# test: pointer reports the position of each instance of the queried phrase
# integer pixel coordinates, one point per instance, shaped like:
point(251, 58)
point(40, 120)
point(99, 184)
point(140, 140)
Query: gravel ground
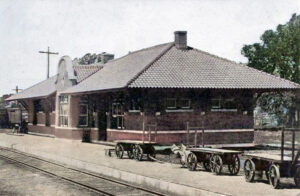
point(19, 180)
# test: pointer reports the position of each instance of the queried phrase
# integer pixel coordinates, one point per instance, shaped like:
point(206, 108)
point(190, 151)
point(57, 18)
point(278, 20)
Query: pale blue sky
point(76, 27)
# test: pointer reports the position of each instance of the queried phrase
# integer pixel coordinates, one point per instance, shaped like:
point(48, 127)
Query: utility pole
point(48, 53)
point(17, 89)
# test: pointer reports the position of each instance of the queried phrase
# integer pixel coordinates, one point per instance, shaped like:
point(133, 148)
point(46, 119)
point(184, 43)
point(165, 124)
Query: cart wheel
point(119, 151)
point(138, 153)
point(130, 154)
point(249, 169)
point(181, 160)
point(151, 154)
point(274, 176)
point(216, 164)
point(267, 175)
point(234, 167)
point(297, 177)
point(192, 161)
point(206, 165)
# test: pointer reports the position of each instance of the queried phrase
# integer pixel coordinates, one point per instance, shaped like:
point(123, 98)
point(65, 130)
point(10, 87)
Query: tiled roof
point(84, 71)
point(193, 68)
point(42, 89)
point(120, 72)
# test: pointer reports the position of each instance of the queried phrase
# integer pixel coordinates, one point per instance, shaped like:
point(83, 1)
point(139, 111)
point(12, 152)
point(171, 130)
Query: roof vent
point(180, 39)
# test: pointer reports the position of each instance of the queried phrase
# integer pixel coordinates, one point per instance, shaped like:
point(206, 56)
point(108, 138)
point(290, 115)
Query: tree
point(277, 54)
point(277, 103)
point(279, 51)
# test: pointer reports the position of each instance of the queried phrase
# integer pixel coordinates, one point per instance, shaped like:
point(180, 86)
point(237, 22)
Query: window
point(171, 103)
point(120, 124)
point(38, 106)
point(223, 104)
point(185, 103)
point(83, 115)
point(117, 109)
point(216, 103)
point(178, 104)
point(135, 105)
point(63, 111)
point(229, 104)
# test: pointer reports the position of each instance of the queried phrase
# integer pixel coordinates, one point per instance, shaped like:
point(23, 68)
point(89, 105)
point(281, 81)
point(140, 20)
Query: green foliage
point(279, 51)
point(280, 104)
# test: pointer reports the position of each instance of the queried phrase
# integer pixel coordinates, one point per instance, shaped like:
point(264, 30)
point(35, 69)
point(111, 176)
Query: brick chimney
point(180, 39)
point(106, 57)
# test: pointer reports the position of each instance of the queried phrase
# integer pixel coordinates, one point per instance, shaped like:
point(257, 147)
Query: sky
point(77, 27)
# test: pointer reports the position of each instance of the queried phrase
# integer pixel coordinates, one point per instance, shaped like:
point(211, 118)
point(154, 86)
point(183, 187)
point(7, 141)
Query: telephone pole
point(17, 89)
point(48, 57)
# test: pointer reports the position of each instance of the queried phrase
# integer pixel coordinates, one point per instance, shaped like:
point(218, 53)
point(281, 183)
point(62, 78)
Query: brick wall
point(75, 134)
point(74, 111)
point(52, 118)
point(41, 118)
point(41, 129)
point(210, 137)
point(178, 121)
point(30, 111)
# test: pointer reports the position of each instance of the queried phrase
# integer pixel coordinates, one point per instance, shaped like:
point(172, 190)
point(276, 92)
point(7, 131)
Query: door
point(102, 124)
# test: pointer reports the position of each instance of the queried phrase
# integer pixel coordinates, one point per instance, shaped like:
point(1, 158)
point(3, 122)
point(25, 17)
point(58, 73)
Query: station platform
point(170, 178)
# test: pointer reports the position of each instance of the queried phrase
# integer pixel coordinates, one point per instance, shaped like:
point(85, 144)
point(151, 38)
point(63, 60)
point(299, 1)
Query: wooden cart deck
point(214, 151)
point(134, 142)
point(269, 157)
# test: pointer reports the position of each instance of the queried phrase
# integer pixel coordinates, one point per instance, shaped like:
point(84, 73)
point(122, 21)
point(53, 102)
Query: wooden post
point(293, 146)
point(282, 143)
point(195, 137)
point(143, 132)
point(202, 137)
point(155, 132)
point(149, 132)
point(188, 132)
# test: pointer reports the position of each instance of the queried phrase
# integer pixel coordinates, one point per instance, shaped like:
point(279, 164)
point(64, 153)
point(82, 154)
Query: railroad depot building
point(151, 94)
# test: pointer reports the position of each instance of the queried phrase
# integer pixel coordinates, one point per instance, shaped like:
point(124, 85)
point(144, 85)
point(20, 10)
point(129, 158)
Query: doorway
point(102, 125)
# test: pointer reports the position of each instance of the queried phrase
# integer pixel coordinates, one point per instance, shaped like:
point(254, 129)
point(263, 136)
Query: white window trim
point(134, 111)
point(223, 110)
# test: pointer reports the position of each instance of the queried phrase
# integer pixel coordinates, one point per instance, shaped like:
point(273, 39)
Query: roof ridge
point(140, 50)
point(171, 44)
point(90, 65)
point(246, 66)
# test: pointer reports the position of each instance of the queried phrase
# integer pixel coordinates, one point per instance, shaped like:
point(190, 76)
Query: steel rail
point(73, 169)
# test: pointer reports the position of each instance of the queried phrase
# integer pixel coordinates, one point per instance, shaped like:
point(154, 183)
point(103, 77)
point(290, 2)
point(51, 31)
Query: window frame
point(221, 107)
point(64, 100)
point(185, 107)
point(83, 115)
point(172, 107)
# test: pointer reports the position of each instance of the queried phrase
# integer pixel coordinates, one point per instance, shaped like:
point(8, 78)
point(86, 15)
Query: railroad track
point(93, 182)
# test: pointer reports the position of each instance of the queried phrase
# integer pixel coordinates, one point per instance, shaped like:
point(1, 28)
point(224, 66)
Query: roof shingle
point(193, 68)
point(84, 71)
point(120, 72)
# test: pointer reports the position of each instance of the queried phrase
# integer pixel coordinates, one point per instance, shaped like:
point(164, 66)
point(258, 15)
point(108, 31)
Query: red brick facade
point(239, 136)
point(231, 127)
